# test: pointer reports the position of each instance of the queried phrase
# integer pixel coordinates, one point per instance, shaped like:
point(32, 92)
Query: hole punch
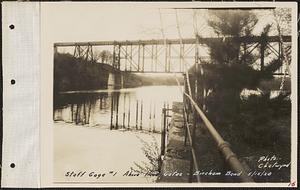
point(11, 26)
point(12, 165)
point(12, 81)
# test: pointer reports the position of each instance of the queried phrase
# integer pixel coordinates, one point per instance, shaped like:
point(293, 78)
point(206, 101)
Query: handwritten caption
point(265, 166)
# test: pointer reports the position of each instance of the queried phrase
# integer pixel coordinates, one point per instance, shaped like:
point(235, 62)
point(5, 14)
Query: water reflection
point(125, 109)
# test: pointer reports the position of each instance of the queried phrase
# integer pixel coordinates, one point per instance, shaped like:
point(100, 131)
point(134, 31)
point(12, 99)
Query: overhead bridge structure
point(177, 56)
point(170, 55)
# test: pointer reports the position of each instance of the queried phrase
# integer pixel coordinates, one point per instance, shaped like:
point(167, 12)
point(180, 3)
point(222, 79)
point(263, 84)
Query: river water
point(109, 132)
point(130, 108)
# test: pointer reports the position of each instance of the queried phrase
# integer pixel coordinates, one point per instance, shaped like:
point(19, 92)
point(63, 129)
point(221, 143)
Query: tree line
point(258, 121)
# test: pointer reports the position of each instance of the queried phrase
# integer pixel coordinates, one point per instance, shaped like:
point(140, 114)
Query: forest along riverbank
point(133, 114)
point(77, 74)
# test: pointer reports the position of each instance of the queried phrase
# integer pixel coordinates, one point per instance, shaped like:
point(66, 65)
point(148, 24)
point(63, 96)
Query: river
point(104, 131)
point(131, 108)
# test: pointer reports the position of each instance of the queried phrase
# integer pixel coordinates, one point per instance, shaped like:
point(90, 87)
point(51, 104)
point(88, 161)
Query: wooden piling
point(154, 117)
point(150, 116)
point(111, 112)
point(117, 113)
point(163, 132)
point(123, 125)
point(141, 117)
point(128, 115)
point(137, 114)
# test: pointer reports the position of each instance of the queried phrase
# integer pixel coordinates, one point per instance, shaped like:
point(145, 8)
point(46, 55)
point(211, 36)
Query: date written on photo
point(129, 173)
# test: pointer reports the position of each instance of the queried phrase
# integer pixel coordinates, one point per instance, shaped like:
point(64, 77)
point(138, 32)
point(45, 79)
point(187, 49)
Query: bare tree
point(104, 56)
point(283, 24)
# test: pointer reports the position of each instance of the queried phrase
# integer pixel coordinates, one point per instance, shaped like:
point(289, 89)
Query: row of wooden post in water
point(124, 119)
point(129, 115)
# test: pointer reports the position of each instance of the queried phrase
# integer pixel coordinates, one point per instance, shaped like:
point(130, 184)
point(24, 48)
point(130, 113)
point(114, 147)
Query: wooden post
point(137, 114)
point(163, 133)
point(141, 117)
point(166, 115)
point(150, 117)
point(154, 116)
point(111, 112)
point(128, 115)
point(124, 111)
point(117, 113)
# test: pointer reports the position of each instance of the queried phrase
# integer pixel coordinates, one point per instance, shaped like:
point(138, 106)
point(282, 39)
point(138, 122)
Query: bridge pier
point(115, 80)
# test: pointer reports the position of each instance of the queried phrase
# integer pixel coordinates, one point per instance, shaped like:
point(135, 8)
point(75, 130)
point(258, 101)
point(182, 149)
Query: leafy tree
point(230, 23)
point(230, 72)
point(72, 73)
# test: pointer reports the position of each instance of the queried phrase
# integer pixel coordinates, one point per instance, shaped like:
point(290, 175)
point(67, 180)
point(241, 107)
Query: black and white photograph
point(149, 94)
point(156, 94)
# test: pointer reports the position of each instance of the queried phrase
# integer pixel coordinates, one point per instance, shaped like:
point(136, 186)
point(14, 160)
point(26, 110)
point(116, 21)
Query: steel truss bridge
point(170, 55)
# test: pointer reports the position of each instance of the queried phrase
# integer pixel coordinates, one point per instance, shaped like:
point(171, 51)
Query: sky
point(83, 22)
point(98, 22)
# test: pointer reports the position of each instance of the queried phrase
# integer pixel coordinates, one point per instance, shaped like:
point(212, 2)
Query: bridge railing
point(191, 107)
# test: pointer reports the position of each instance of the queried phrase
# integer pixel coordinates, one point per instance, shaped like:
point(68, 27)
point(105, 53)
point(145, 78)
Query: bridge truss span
point(168, 56)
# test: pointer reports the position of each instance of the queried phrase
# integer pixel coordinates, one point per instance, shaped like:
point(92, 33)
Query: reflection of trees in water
point(114, 119)
point(81, 106)
point(102, 100)
point(122, 110)
point(81, 112)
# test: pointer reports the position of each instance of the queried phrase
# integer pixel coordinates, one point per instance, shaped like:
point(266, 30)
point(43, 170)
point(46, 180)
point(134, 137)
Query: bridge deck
point(252, 39)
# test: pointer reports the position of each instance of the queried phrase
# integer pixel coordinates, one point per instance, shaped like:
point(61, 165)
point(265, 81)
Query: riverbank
point(91, 151)
point(75, 74)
